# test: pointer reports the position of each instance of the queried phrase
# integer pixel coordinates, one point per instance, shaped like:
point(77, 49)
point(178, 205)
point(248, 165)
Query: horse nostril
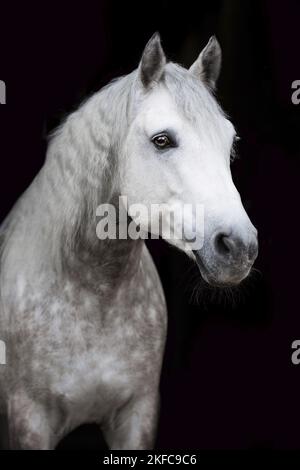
point(233, 247)
point(223, 244)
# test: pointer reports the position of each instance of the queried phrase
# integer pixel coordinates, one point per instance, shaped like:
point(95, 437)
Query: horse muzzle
point(227, 257)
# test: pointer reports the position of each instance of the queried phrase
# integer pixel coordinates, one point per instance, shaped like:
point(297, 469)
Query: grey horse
point(84, 320)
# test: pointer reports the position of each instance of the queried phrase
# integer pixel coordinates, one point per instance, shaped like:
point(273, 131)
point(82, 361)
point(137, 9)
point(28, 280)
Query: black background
point(228, 380)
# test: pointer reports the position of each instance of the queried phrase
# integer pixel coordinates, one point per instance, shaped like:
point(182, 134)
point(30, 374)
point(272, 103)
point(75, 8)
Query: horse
point(84, 320)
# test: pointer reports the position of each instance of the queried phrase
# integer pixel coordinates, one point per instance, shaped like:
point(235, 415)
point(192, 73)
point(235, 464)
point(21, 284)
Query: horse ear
point(208, 65)
point(153, 61)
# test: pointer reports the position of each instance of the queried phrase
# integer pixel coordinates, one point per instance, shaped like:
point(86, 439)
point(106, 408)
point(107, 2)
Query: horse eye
point(161, 141)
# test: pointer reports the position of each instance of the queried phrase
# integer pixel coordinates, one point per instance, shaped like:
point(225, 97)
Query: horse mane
point(78, 173)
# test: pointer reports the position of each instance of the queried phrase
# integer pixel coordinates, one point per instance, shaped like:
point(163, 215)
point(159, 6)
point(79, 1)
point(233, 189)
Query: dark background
point(228, 380)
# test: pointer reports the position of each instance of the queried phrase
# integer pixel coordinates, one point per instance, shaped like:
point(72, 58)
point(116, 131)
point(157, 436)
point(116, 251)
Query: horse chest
point(104, 378)
point(115, 352)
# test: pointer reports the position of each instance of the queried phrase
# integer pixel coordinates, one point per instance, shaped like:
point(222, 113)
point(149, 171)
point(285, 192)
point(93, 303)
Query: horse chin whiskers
point(204, 291)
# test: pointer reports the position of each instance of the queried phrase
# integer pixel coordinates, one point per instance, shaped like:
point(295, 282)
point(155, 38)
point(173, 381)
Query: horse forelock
point(194, 99)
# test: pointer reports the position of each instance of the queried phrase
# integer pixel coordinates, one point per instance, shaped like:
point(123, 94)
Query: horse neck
point(81, 172)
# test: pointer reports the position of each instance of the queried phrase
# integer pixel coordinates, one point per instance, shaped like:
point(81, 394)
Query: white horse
point(84, 321)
